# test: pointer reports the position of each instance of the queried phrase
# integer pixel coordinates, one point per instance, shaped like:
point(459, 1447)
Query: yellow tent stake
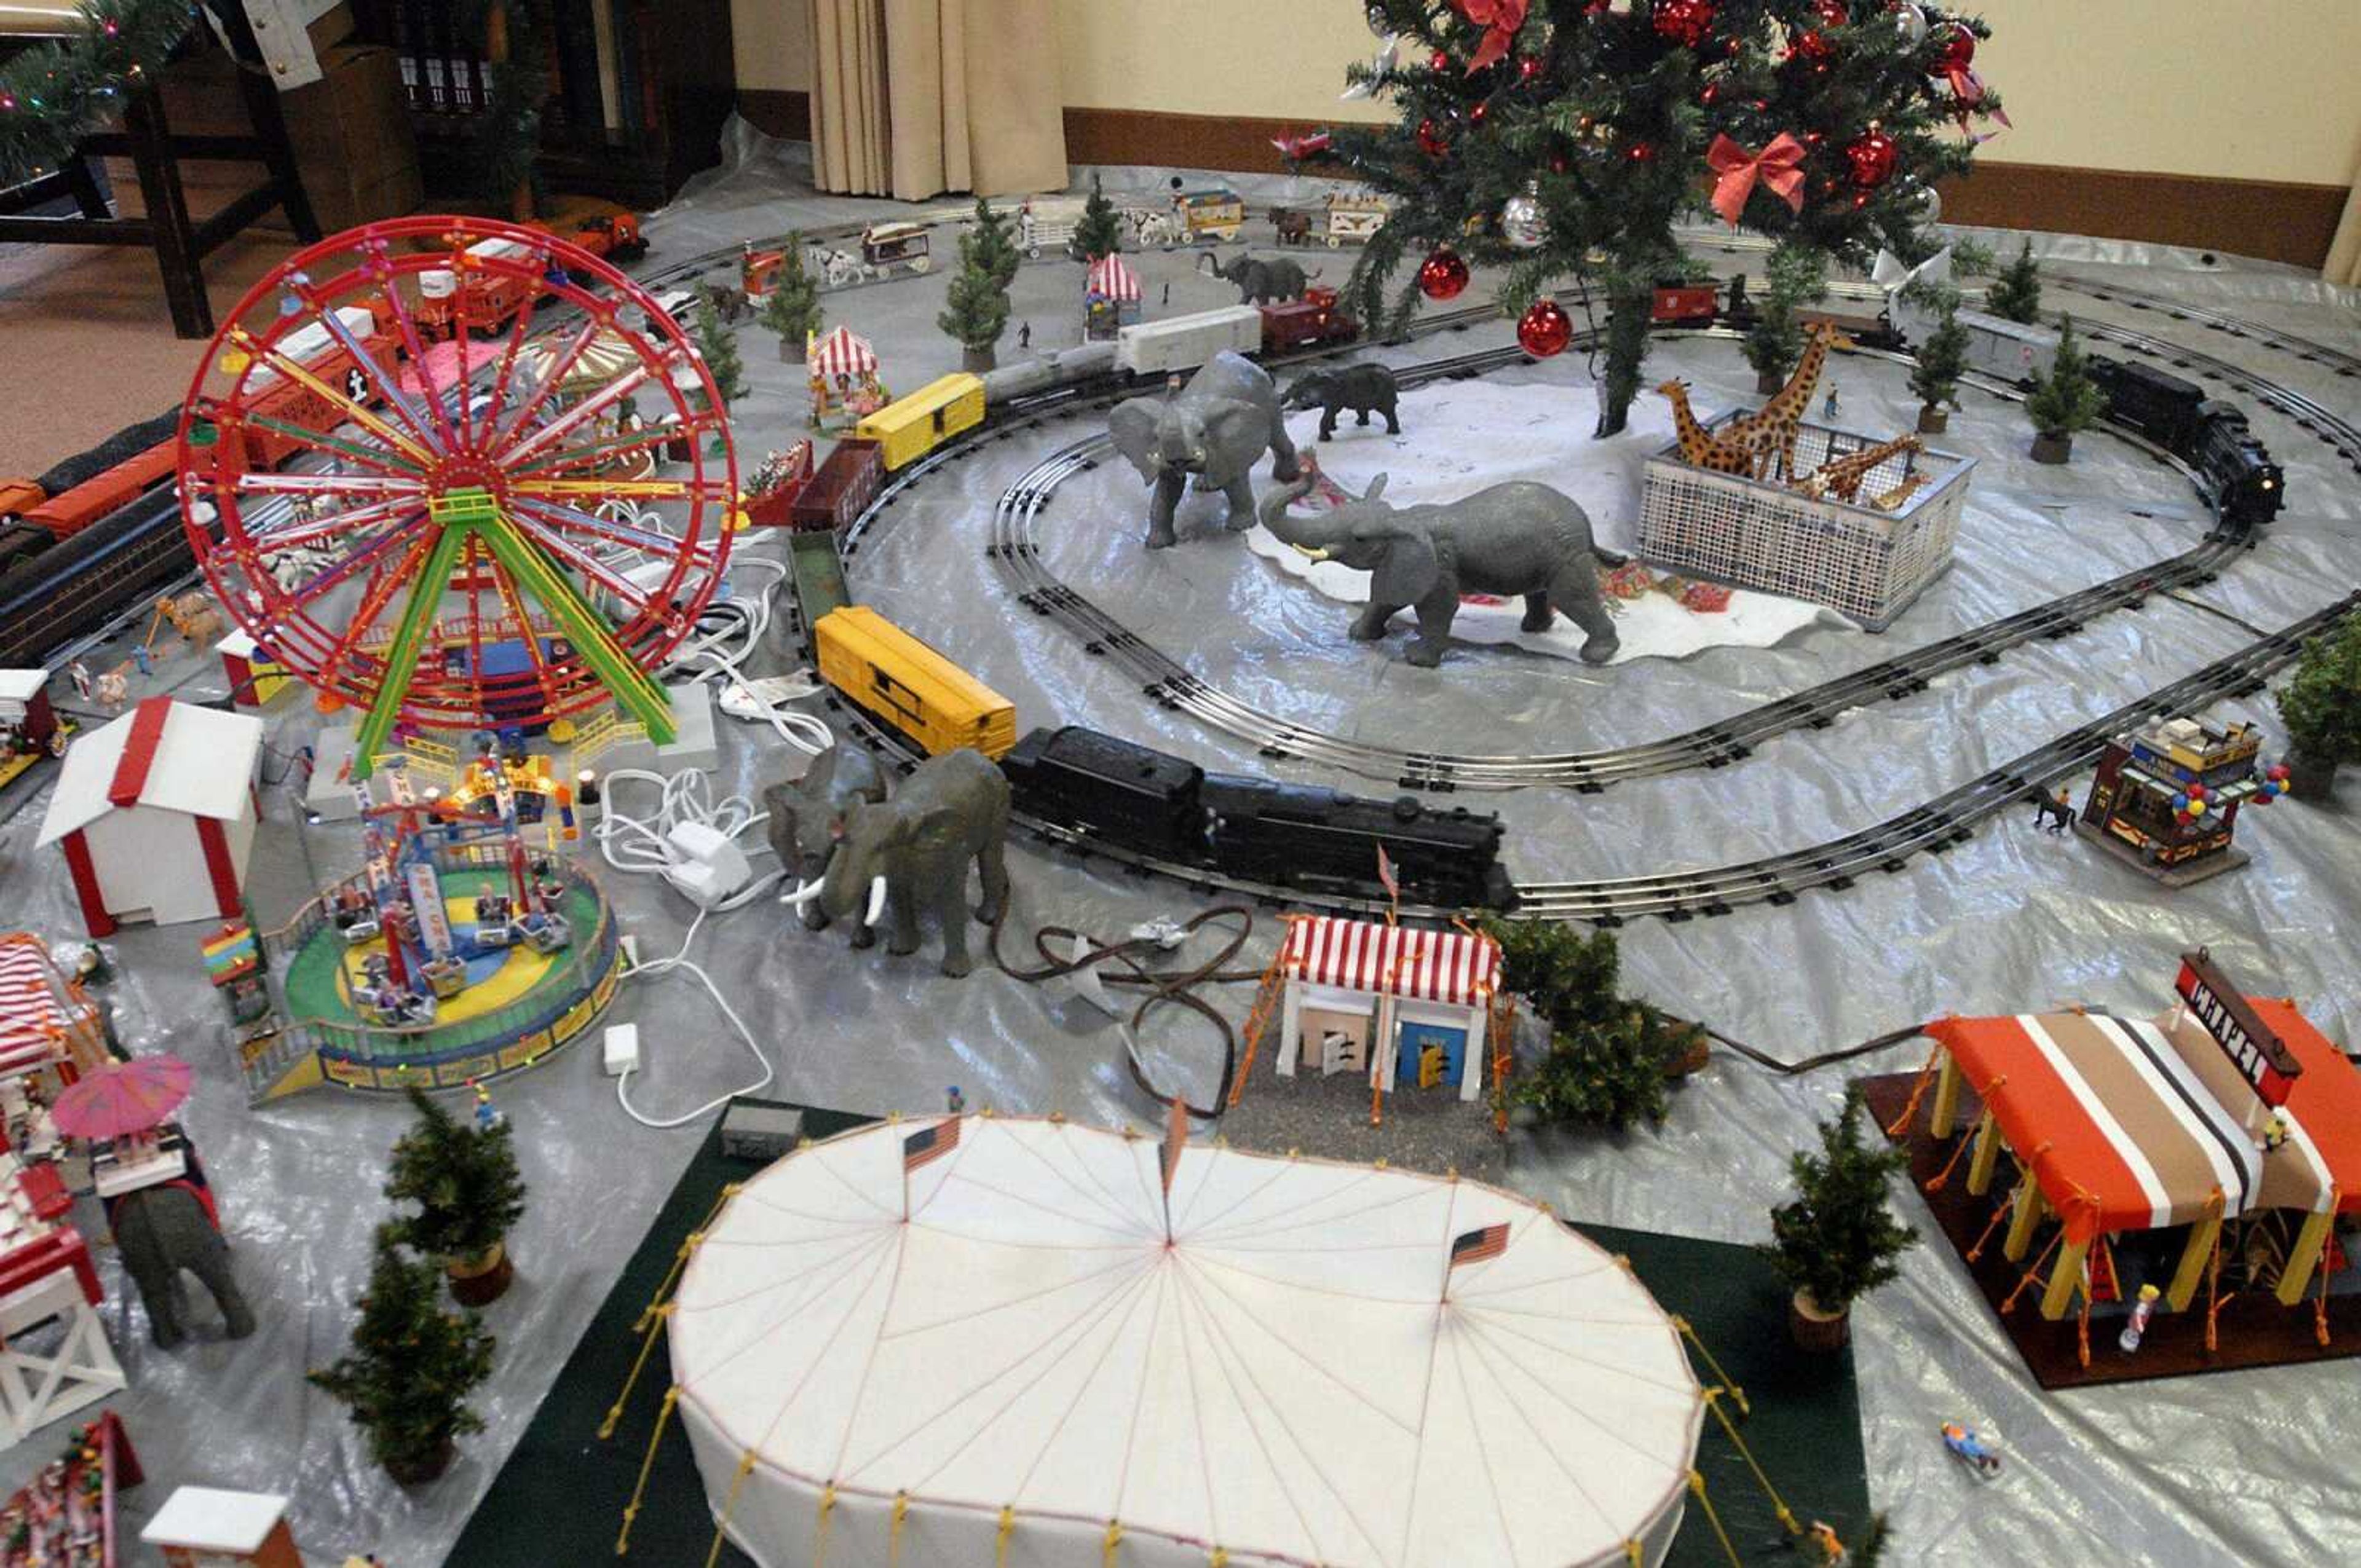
point(647, 1463)
point(728, 1505)
point(1113, 1543)
point(647, 1342)
point(1221, 1558)
point(893, 1530)
point(1688, 1332)
point(819, 1542)
point(1697, 1486)
point(688, 1250)
point(1633, 1555)
point(1007, 1529)
point(1787, 1515)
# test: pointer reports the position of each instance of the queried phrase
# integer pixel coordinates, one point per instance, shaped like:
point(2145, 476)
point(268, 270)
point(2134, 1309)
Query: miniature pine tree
point(1610, 113)
point(2066, 400)
point(791, 308)
point(411, 1368)
point(1941, 359)
point(1792, 279)
point(2015, 294)
point(1605, 1064)
point(2321, 704)
point(463, 1180)
point(976, 312)
point(719, 346)
point(1837, 1239)
point(995, 248)
point(1100, 231)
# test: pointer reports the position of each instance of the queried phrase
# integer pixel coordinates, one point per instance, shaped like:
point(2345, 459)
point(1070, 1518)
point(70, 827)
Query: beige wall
point(2248, 89)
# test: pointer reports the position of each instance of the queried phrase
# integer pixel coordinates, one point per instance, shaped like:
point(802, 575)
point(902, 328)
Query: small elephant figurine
point(1518, 538)
point(914, 848)
point(1210, 433)
point(1259, 282)
point(162, 1230)
point(1363, 388)
point(807, 813)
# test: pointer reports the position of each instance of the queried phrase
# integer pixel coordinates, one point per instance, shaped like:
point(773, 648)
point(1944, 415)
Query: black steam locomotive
point(1257, 829)
point(2208, 435)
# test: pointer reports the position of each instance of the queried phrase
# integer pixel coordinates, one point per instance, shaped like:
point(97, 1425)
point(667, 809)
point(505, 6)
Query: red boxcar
point(1686, 304)
point(491, 297)
point(1306, 322)
point(291, 402)
point(846, 483)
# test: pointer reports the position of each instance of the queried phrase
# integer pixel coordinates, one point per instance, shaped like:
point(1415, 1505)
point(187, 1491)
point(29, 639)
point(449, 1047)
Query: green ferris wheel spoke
point(409, 633)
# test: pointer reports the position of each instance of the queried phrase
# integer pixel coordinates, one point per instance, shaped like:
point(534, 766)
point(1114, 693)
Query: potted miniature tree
point(1837, 1240)
point(1936, 378)
point(1609, 1055)
point(411, 1368)
point(2064, 402)
point(1792, 278)
point(976, 312)
point(463, 1180)
point(2321, 709)
point(791, 308)
point(1099, 231)
point(719, 347)
point(2016, 291)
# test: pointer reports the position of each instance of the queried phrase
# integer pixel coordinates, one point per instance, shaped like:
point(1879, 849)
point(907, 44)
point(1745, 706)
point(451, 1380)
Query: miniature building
point(1864, 560)
point(155, 813)
point(1408, 1008)
point(2167, 797)
point(27, 720)
point(843, 369)
point(199, 1527)
point(255, 677)
point(1111, 297)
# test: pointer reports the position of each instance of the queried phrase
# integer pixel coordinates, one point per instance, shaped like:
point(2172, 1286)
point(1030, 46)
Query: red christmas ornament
point(1959, 49)
point(1641, 151)
point(1812, 46)
point(1431, 139)
point(1544, 329)
point(1872, 158)
point(1687, 22)
point(1831, 12)
point(1440, 60)
point(1442, 275)
point(1528, 68)
point(1477, 114)
point(1711, 94)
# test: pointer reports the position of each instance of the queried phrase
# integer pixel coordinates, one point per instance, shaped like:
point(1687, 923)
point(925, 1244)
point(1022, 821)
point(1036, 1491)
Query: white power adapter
point(705, 863)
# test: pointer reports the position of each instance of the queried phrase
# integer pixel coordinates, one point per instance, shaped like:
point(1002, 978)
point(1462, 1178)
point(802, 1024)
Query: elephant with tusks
point(1519, 539)
point(914, 849)
point(160, 1230)
point(1208, 433)
point(807, 815)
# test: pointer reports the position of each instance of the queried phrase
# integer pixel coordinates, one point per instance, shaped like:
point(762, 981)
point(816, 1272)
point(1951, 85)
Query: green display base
point(560, 1497)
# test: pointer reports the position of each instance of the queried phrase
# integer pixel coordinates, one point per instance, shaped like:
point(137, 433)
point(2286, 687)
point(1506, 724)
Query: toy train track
point(1014, 549)
point(2335, 360)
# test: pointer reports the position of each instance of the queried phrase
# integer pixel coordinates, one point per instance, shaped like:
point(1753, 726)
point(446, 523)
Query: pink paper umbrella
point(123, 1097)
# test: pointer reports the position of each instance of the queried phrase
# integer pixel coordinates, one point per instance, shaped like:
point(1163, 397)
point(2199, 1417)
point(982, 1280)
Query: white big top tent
point(1025, 1348)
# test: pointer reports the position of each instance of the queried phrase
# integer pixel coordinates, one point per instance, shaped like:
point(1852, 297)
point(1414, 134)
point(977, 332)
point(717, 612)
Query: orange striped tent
point(2136, 1124)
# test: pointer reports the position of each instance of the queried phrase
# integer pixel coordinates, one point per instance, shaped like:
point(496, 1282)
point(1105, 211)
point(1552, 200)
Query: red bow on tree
point(1967, 96)
point(1778, 166)
point(1499, 19)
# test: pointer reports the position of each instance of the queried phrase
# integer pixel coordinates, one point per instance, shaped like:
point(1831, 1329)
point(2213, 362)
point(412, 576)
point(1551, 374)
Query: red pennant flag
point(1386, 877)
point(1176, 1137)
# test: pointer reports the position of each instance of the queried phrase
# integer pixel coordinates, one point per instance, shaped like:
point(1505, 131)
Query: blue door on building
point(1430, 1056)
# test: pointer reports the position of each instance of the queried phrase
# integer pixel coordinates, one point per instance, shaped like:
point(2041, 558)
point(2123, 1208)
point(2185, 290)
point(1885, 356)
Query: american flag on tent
point(1475, 1246)
point(1112, 278)
point(926, 1146)
point(32, 1020)
point(841, 353)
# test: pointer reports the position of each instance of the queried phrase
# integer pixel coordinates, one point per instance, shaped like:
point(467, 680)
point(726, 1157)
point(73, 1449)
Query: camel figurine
point(1769, 435)
point(1699, 446)
point(1842, 476)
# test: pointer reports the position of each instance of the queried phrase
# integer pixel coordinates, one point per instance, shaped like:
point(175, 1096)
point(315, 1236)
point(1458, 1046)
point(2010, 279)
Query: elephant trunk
point(1271, 510)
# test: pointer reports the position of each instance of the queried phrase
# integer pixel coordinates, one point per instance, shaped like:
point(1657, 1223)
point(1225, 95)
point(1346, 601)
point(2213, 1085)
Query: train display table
point(45, 1278)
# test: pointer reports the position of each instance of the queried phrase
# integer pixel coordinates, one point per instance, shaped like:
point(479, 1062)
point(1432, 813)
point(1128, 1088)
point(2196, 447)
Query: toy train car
point(1308, 323)
point(2210, 435)
point(80, 584)
point(1183, 343)
point(819, 576)
point(1210, 216)
point(909, 428)
point(1128, 795)
point(2007, 351)
point(1685, 304)
point(489, 300)
point(909, 686)
point(847, 482)
point(283, 400)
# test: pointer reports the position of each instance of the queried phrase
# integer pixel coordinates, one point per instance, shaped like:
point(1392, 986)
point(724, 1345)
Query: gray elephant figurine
point(1517, 538)
point(160, 1230)
point(807, 815)
point(1209, 433)
point(1363, 388)
point(915, 847)
point(1259, 282)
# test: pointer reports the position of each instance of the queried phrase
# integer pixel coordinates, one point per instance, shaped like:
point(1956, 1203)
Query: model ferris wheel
point(438, 515)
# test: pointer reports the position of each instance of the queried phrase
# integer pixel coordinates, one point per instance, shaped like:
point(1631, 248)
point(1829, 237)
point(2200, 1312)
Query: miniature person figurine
point(2136, 1330)
point(1024, 335)
point(79, 673)
point(91, 966)
point(955, 1102)
point(1168, 295)
point(1828, 406)
point(487, 1118)
point(2275, 1131)
point(146, 660)
point(1971, 1449)
point(1832, 1549)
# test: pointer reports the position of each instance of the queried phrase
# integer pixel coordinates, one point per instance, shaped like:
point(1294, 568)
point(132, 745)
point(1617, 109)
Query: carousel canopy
point(1301, 1374)
point(1451, 967)
point(842, 353)
point(604, 358)
point(1111, 278)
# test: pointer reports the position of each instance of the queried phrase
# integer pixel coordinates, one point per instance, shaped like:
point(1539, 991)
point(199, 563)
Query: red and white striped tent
point(1365, 995)
point(40, 1018)
point(841, 353)
point(1112, 278)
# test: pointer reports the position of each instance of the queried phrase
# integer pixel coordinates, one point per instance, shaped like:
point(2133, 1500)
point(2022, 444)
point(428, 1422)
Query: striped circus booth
point(843, 370)
point(1405, 1007)
point(45, 1019)
point(1111, 297)
point(2224, 1110)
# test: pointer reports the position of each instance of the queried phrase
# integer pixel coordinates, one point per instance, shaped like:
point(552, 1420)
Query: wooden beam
point(2065, 1278)
point(2025, 1221)
point(2304, 1256)
point(1980, 1164)
point(2194, 1258)
point(1946, 1114)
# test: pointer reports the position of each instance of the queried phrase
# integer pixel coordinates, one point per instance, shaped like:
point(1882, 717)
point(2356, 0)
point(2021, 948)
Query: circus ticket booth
point(2229, 1116)
point(1111, 297)
point(255, 678)
point(1407, 1008)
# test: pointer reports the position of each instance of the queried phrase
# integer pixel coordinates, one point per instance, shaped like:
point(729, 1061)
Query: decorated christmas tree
point(1941, 359)
point(2067, 399)
point(2015, 293)
point(464, 1180)
point(791, 308)
point(976, 310)
point(719, 346)
point(411, 1368)
point(1562, 141)
point(1100, 231)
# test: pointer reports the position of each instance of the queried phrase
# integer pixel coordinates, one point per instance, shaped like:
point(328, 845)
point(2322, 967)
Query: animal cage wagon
point(1862, 559)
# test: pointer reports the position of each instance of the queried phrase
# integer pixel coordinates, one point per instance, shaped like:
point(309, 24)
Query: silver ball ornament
point(1909, 21)
point(1523, 226)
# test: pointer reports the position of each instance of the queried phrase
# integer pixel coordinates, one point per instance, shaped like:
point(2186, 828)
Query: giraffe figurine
point(1769, 435)
point(1842, 476)
point(1699, 446)
point(1892, 500)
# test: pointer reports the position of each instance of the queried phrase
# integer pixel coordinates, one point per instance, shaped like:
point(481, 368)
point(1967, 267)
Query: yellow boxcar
point(901, 682)
point(910, 427)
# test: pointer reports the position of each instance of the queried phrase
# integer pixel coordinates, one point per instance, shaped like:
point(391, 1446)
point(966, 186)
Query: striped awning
point(2132, 1125)
point(842, 353)
point(32, 1019)
point(1450, 967)
point(1111, 278)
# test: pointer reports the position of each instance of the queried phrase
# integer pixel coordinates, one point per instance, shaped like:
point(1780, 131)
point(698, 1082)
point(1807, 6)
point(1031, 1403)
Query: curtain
point(2344, 266)
point(916, 97)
